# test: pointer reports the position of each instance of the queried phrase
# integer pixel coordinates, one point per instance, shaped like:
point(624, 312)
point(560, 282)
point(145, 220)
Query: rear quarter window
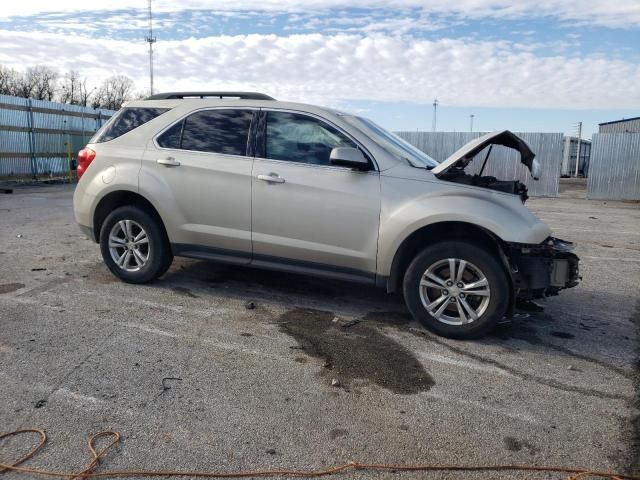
point(126, 120)
point(218, 131)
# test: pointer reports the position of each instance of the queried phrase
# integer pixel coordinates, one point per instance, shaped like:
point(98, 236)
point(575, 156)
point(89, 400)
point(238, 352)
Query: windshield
point(392, 143)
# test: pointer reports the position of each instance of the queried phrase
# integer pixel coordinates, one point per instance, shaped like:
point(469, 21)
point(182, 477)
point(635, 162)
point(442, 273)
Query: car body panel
point(206, 200)
point(413, 198)
point(115, 168)
point(465, 154)
point(305, 218)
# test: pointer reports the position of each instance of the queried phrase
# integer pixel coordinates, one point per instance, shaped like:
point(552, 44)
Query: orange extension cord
point(574, 473)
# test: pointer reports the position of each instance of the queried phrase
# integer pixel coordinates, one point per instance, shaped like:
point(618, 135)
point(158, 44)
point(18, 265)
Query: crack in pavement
point(523, 375)
point(65, 376)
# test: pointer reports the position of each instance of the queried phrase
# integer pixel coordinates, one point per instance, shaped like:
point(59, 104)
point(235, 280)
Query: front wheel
point(456, 289)
point(134, 246)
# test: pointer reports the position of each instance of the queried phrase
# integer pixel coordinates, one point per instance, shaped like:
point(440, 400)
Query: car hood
point(463, 156)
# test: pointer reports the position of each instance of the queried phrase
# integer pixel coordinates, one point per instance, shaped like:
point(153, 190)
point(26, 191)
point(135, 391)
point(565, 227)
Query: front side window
point(213, 131)
point(299, 138)
point(126, 120)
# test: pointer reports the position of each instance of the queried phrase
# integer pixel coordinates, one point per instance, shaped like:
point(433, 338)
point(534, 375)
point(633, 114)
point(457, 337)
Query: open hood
point(463, 156)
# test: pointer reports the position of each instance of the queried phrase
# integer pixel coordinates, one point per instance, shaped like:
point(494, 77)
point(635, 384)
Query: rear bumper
point(543, 270)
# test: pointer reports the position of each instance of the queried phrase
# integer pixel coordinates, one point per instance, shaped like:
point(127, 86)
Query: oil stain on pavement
point(10, 287)
point(359, 352)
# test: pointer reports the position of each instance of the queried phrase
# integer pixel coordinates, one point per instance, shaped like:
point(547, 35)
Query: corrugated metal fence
point(35, 135)
point(614, 169)
point(504, 163)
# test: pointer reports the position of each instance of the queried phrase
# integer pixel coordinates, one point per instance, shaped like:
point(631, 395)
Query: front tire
point(456, 289)
point(134, 246)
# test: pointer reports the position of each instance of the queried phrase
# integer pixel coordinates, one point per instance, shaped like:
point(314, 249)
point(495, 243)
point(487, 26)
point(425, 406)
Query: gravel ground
point(252, 388)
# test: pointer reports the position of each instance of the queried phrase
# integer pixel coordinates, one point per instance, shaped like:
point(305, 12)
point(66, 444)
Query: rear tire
point(457, 289)
point(134, 246)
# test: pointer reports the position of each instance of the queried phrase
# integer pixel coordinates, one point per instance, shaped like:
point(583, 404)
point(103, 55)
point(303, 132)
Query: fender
point(112, 170)
point(404, 212)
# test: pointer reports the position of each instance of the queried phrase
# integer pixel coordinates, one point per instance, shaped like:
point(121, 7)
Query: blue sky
point(525, 65)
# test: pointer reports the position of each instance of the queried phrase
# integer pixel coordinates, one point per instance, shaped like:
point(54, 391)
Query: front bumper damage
point(542, 270)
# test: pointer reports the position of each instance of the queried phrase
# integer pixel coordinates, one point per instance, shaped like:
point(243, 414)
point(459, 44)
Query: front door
point(306, 213)
point(201, 169)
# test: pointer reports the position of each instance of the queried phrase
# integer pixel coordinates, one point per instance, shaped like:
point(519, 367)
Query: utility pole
point(578, 147)
point(151, 40)
point(435, 113)
point(471, 122)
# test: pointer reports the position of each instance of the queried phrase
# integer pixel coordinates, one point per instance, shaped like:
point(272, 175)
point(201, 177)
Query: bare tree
point(7, 80)
point(38, 82)
point(113, 92)
point(24, 85)
point(73, 89)
point(70, 88)
point(45, 81)
point(85, 93)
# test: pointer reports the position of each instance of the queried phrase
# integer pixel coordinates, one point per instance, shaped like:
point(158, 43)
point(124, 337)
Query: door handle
point(168, 162)
point(271, 178)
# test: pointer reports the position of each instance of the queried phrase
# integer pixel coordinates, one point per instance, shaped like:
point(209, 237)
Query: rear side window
point(172, 138)
point(213, 131)
point(126, 120)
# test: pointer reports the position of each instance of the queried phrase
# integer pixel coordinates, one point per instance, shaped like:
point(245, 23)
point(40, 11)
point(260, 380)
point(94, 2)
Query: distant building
point(626, 125)
point(568, 168)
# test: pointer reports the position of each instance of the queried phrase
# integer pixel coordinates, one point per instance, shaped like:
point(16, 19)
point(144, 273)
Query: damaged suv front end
point(542, 270)
point(537, 270)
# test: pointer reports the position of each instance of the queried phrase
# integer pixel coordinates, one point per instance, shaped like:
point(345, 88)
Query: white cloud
point(625, 13)
point(327, 69)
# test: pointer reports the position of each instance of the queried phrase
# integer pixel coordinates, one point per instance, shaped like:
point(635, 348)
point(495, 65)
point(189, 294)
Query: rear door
point(308, 214)
point(199, 172)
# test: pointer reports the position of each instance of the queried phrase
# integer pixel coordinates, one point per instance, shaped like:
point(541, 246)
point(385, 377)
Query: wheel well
point(118, 199)
point(430, 234)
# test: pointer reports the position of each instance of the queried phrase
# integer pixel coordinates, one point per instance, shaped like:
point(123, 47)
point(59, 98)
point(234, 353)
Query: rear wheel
point(134, 246)
point(456, 289)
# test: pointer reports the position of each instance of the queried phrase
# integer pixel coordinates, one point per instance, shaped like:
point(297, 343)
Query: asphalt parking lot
point(252, 388)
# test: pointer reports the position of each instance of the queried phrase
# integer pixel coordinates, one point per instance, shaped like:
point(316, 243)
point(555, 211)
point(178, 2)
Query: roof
point(620, 121)
point(192, 103)
point(221, 95)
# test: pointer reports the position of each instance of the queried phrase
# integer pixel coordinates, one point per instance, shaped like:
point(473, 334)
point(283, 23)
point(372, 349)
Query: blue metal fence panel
point(34, 134)
point(504, 163)
point(614, 168)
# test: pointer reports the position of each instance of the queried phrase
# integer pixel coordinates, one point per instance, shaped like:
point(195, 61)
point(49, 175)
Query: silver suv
point(241, 178)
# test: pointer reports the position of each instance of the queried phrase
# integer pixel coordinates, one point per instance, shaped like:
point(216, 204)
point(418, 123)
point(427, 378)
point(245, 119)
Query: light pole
point(435, 114)
point(578, 147)
point(471, 122)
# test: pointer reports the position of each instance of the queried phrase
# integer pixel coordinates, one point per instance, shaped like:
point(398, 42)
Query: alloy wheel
point(129, 245)
point(454, 291)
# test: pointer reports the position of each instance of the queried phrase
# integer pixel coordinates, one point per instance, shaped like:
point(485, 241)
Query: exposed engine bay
point(453, 168)
point(514, 187)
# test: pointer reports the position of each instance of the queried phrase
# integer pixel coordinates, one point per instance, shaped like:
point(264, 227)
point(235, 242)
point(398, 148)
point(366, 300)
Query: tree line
point(45, 83)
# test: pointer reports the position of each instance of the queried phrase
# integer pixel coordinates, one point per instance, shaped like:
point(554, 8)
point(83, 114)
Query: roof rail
point(183, 95)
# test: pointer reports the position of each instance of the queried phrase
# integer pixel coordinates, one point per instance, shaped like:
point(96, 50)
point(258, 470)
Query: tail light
point(85, 157)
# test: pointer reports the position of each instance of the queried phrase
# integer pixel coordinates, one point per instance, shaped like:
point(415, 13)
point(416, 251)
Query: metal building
point(39, 139)
point(568, 168)
point(626, 125)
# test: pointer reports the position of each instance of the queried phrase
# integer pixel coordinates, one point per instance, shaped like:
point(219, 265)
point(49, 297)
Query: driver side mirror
point(348, 157)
